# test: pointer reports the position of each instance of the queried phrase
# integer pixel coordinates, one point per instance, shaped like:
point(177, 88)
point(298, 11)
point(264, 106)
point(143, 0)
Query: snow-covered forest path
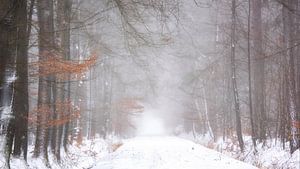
point(167, 153)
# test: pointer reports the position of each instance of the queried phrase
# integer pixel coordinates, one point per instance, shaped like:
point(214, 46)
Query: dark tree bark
point(65, 9)
point(13, 29)
point(290, 32)
point(297, 61)
point(64, 19)
point(258, 74)
point(46, 83)
point(250, 77)
point(5, 28)
point(20, 104)
point(233, 73)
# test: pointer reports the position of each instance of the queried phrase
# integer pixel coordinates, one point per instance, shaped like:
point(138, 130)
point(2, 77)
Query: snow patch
point(79, 156)
point(11, 79)
point(167, 153)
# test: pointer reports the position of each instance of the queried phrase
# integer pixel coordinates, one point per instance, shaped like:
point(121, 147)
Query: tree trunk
point(64, 19)
point(20, 104)
point(250, 77)
point(5, 55)
point(290, 32)
point(234, 83)
point(13, 29)
point(46, 46)
point(258, 71)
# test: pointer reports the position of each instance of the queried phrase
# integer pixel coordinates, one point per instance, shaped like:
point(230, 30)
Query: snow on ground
point(78, 157)
point(162, 152)
point(167, 153)
point(269, 155)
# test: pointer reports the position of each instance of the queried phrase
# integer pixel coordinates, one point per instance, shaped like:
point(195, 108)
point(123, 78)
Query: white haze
point(169, 70)
point(150, 124)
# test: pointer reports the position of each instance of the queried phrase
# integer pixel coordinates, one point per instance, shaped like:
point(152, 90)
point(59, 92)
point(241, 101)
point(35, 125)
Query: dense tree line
point(83, 60)
point(264, 63)
point(60, 30)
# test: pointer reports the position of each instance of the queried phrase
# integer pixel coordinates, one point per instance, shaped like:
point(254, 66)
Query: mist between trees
point(71, 69)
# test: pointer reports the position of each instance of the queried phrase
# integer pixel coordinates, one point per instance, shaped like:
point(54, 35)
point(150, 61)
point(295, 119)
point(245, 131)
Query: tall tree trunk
point(46, 48)
point(250, 77)
point(297, 67)
point(5, 56)
point(65, 8)
point(14, 26)
point(258, 74)
point(64, 19)
point(290, 32)
point(20, 104)
point(234, 83)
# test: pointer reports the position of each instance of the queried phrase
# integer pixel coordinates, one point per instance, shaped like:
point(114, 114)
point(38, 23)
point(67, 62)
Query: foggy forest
point(149, 84)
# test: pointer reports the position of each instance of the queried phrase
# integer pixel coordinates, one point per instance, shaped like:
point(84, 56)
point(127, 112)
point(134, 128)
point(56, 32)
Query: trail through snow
point(167, 153)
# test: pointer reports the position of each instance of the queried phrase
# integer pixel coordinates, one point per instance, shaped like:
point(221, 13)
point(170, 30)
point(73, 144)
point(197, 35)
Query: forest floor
point(167, 153)
point(163, 152)
point(268, 155)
